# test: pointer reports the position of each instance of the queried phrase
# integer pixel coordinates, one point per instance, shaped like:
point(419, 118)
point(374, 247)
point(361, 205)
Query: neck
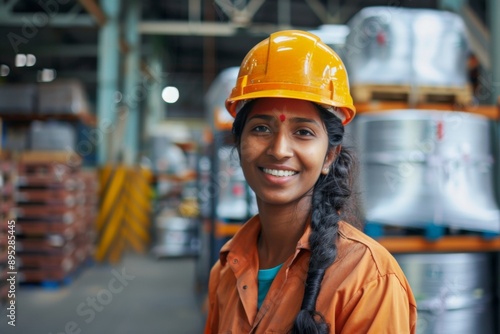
point(282, 227)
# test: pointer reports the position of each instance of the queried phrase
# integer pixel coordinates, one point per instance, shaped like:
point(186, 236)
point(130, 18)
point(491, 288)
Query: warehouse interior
point(119, 183)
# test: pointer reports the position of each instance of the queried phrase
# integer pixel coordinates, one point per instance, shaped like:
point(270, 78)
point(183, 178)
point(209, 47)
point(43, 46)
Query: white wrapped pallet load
point(422, 167)
point(62, 97)
point(18, 99)
point(405, 46)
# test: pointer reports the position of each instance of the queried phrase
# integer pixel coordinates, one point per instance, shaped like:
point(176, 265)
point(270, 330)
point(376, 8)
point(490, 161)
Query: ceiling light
point(30, 60)
point(170, 94)
point(4, 70)
point(21, 60)
point(46, 75)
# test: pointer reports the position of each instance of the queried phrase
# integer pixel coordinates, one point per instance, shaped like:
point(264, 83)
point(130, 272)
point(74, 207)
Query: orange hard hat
point(294, 64)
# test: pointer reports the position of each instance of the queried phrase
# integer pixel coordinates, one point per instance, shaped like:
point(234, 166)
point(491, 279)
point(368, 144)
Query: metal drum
point(175, 236)
point(395, 45)
point(454, 291)
point(427, 167)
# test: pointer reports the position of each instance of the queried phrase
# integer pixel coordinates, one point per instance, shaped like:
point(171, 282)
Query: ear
point(331, 155)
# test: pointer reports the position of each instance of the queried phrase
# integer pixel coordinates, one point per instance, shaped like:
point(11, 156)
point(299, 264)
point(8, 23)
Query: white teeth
point(276, 172)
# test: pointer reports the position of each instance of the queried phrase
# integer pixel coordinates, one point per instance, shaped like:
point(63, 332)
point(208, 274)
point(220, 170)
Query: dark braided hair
point(331, 196)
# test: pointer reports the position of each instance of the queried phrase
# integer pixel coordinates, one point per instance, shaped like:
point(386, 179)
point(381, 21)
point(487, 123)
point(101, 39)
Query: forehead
point(288, 107)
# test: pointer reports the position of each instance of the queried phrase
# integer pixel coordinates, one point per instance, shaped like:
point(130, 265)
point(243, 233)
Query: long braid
point(330, 196)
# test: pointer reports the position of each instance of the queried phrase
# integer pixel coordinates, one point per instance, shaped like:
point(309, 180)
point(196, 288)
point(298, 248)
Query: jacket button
point(244, 287)
point(235, 261)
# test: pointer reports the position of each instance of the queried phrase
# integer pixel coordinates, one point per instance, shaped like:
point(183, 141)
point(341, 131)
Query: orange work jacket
point(363, 291)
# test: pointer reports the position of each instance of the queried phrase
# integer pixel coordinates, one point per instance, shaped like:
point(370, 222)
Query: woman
point(297, 266)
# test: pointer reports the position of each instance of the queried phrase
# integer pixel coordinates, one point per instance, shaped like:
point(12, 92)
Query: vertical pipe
point(107, 77)
point(133, 90)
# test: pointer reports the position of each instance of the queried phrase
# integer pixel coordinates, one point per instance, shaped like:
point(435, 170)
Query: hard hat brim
point(348, 110)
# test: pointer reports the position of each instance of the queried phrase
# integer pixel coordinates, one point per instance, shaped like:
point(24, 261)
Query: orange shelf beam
point(223, 230)
point(489, 111)
point(417, 244)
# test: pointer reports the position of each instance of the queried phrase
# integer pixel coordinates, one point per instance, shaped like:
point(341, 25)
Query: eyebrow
point(292, 119)
point(304, 120)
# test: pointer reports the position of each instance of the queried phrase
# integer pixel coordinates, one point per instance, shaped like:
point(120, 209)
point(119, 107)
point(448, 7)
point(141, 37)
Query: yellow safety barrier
point(124, 220)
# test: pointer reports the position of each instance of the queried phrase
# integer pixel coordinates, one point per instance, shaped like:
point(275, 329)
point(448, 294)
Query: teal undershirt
point(265, 278)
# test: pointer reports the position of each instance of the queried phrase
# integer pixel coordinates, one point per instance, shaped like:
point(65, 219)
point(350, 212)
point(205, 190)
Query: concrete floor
point(141, 295)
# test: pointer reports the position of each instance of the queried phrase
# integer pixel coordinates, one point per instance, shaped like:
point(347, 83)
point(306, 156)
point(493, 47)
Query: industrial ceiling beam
point(187, 28)
point(333, 13)
point(95, 10)
point(66, 50)
point(239, 16)
point(478, 36)
point(252, 8)
point(240, 19)
point(318, 9)
point(9, 5)
point(40, 19)
point(216, 29)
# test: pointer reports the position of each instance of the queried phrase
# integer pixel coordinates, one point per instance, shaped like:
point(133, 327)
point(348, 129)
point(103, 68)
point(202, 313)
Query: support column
point(494, 24)
point(156, 107)
point(108, 62)
point(133, 92)
point(493, 10)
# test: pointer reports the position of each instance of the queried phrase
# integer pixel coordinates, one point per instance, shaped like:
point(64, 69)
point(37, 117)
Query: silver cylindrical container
point(420, 167)
point(454, 291)
point(395, 45)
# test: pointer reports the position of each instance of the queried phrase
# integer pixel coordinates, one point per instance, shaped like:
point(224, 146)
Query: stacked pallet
point(413, 95)
point(55, 206)
point(7, 182)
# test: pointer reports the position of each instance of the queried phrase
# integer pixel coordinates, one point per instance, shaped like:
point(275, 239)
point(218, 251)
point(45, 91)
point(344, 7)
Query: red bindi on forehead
point(282, 117)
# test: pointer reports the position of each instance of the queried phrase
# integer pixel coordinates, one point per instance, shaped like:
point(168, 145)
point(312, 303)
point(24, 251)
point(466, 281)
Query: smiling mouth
point(279, 172)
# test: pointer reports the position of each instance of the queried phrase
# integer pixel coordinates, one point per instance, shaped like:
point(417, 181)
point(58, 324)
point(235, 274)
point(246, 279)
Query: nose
point(280, 146)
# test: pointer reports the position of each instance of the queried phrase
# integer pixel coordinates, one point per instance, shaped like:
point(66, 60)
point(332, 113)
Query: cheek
point(247, 151)
point(314, 158)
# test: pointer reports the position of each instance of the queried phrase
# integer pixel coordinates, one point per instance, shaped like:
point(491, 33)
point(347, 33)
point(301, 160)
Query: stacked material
point(454, 291)
point(60, 97)
point(7, 221)
point(423, 167)
point(19, 99)
point(56, 207)
point(406, 46)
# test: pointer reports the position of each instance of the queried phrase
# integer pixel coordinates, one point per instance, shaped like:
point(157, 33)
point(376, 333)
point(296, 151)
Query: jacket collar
point(245, 240)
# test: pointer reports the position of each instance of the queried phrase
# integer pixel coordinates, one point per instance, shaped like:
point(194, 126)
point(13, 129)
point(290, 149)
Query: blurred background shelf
point(85, 118)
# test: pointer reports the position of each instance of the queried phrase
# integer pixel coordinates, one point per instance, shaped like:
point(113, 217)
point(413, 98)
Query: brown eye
point(304, 132)
point(261, 128)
